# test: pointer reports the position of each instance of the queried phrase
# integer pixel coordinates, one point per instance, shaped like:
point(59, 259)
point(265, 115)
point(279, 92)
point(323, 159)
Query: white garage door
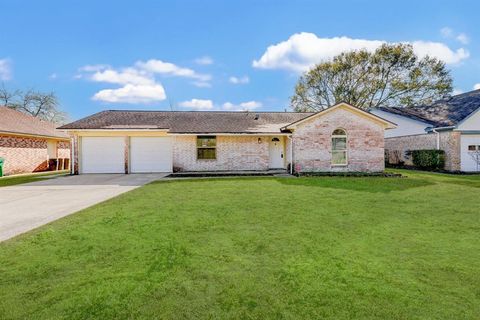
point(470, 151)
point(150, 154)
point(103, 155)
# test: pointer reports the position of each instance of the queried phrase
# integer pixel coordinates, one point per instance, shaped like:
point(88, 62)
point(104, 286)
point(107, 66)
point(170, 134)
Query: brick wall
point(397, 147)
point(312, 143)
point(27, 154)
point(63, 149)
point(233, 153)
point(23, 154)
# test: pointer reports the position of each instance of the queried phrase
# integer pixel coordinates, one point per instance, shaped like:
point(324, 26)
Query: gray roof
point(189, 121)
point(444, 112)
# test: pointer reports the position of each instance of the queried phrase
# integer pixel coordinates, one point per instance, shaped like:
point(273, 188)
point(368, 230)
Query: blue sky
point(213, 55)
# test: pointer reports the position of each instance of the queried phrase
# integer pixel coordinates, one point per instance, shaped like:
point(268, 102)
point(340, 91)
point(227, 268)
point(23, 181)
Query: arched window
point(339, 147)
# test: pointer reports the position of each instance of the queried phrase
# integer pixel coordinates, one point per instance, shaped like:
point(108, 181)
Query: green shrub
point(428, 159)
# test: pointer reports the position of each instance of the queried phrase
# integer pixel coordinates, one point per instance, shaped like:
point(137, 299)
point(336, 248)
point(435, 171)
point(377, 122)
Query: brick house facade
point(241, 141)
point(27, 144)
point(29, 154)
point(449, 141)
point(312, 143)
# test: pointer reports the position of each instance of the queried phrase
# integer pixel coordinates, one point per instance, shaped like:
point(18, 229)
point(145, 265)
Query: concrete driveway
point(28, 206)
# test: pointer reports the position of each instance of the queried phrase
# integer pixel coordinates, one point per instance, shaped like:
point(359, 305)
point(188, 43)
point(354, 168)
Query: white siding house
point(451, 124)
point(405, 126)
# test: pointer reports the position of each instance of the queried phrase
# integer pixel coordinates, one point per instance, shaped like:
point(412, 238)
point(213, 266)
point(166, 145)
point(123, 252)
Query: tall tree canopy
point(392, 75)
point(42, 105)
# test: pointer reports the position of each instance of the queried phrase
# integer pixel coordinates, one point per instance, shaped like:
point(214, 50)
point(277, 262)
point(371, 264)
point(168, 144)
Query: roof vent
point(257, 116)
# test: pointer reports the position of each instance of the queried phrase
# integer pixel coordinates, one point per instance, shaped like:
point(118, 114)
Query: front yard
point(257, 248)
point(26, 178)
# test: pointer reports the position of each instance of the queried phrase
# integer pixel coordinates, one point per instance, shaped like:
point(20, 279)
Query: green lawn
point(25, 178)
point(257, 248)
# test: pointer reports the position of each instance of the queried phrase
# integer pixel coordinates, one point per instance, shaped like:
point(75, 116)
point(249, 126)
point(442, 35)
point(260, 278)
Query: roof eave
point(387, 124)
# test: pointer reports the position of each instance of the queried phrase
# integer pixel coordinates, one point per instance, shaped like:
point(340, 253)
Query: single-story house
point(27, 144)
point(451, 124)
point(340, 138)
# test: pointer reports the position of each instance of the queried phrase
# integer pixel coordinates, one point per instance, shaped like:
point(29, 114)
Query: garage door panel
point(468, 163)
point(150, 154)
point(103, 155)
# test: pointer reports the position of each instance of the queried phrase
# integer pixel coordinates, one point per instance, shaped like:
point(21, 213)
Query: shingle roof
point(445, 112)
point(190, 121)
point(13, 121)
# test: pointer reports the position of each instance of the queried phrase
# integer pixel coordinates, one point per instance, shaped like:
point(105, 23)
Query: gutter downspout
point(72, 164)
point(434, 130)
point(438, 137)
point(291, 153)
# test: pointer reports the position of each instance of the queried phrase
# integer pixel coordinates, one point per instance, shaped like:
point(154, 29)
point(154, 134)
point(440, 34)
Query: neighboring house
point(340, 138)
point(451, 124)
point(27, 144)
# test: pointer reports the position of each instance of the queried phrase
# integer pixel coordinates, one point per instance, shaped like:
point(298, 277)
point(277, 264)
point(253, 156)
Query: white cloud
point(131, 93)
point(440, 51)
point(137, 83)
point(462, 38)
point(303, 50)
point(239, 80)
point(202, 84)
point(53, 76)
point(244, 106)
point(167, 68)
point(5, 69)
point(449, 33)
point(124, 76)
point(197, 104)
point(476, 86)
point(205, 60)
point(93, 67)
point(457, 91)
point(446, 32)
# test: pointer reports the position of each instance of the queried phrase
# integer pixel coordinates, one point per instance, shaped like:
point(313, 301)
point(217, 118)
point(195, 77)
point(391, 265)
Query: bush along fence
point(429, 159)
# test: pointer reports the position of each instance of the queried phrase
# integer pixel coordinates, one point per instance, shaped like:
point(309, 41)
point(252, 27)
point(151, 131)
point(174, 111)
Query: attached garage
point(102, 155)
point(151, 154)
point(470, 152)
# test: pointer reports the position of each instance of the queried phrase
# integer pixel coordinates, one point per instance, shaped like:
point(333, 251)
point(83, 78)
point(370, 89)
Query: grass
point(26, 178)
point(257, 248)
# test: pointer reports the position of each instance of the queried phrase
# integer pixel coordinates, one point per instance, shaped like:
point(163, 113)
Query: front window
point(339, 147)
point(206, 147)
point(473, 148)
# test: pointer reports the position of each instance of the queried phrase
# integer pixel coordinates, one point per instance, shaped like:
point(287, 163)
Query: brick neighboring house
point(28, 144)
point(340, 138)
point(451, 124)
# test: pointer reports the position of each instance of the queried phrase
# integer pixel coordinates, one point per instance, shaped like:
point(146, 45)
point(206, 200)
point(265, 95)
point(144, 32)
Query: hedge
point(428, 159)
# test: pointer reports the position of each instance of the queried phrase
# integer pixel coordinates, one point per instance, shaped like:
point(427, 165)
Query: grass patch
point(20, 179)
point(256, 248)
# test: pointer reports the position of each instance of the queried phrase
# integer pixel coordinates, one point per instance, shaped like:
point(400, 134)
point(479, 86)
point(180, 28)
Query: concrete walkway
point(28, 206)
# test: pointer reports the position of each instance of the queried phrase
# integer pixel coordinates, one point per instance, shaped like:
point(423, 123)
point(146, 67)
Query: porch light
point(259, 140)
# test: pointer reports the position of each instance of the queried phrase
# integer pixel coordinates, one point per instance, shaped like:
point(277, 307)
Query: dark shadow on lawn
point(373, 185)
point(370, 184)
point(465, 183)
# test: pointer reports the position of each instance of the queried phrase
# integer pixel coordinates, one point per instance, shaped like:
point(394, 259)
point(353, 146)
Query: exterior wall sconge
point(259, 140)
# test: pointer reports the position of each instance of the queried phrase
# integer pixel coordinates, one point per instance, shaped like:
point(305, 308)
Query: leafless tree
point(476, 157)
point(42, 105)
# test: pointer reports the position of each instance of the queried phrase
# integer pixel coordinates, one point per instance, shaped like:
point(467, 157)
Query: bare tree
point(42, 105)
point(475, 154)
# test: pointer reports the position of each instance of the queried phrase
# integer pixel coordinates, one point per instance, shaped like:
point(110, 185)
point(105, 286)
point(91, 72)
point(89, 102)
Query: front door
point(276, 153)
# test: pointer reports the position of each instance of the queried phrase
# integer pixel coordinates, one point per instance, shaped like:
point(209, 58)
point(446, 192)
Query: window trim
point(210, 147)
point(343, 136)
